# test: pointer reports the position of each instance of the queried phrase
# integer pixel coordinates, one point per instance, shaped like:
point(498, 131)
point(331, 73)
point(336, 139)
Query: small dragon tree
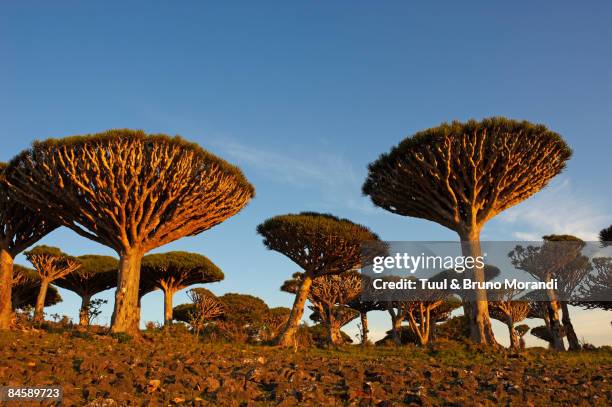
point(50, 264)
point(543, 333)
point(333, 319)
point(243, 309)
point(425, 310)
point(363, 306)
point(321, 244)
point(174, 271)
point(205, 308)
point(329, 295)
point(599, 285)
point(129, 191)
point(26, 286)
point(20, 227)
point(504, 307)
point(97, 274)
point(183, 312)
point(422, 308)
point(558, 258)
point(461, 175)
point(569, 278)
point(274, 320)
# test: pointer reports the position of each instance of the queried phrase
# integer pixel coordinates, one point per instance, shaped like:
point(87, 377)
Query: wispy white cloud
point(308, 169)
point(332, 174)
point(558, 209)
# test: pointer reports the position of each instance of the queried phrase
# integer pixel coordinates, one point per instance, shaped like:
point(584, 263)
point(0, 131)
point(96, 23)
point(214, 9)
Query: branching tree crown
point(20, 227)
point(176, 270)
point(51, 263)
point(125, 189)
point(462, 174)
point(26, 286)
point(319, 243)
point(599, 285)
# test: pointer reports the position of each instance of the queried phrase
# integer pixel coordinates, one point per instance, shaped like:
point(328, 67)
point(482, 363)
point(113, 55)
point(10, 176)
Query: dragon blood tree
point(20, 227)
point(204, 307)
point(274, 320)
point(460, 175)
point(174, 271)
point(599, 284)
point(243, 309)
point(50, 264)
point(504, 306)
point(363, 306)
point(26, 286)
point(321, 244)
point(329, 295)
point(560, 258)
point(97, 274)
point(130, 191)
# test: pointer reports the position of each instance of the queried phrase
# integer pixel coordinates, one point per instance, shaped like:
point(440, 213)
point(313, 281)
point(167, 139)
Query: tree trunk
point(396, 328)
point(556, 330)
point(6, 286)
point(467, 309)
point(364, 327)
point(572, 338)
point(328, 321)
point(84, 312)
point(514, 339)
point(287, 336)
point(335, 335)
point(126, 314)
point(168, 294)
point(480, 323)
point(555, 326)
point(39, 310)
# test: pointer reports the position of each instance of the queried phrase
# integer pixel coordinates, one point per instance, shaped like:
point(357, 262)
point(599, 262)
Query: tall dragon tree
point(129, 191)
point(558, 258)
point(174, 271)
point(51, 264)
point(97, 274)
point(20, 227)
point(321, 244)
point(460, 175)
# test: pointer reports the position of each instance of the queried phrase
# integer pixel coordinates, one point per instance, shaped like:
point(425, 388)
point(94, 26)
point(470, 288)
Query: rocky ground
point(177, 369)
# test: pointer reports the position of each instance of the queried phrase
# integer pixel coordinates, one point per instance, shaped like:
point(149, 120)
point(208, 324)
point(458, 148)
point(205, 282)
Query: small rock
point(153, 385)
point(211, 384)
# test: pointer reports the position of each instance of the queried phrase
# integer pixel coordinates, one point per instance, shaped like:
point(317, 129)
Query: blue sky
point(304, 95)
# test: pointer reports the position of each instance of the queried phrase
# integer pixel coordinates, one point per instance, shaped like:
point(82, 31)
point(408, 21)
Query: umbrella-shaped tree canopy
point(174, 271)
